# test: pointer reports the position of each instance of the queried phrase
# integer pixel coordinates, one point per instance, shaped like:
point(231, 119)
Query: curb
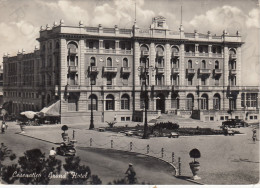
point(169, 163)
point(36, 138)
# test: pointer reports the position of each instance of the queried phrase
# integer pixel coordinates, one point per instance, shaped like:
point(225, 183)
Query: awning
point(52, 110)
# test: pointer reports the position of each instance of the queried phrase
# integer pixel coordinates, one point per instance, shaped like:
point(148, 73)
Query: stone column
point(81, 63)
point(152, 63)
point(63, 62)
point(182, 65)
point(225, 69)
point(238, 66)
point(136, 64)
point(101, 46)
point(168, 65)
point(210, 50)
point(117, 46)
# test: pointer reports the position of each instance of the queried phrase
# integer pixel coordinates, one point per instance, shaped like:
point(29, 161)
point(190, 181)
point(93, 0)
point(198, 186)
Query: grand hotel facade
point(189, 74)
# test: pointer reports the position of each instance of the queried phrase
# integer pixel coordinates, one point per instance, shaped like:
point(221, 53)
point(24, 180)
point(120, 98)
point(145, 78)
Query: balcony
point(175, 54)
point(93, 69)
point(73, 69)
point(217, 71)
point(159, 70)
point(73, 87)
point(110, 51)
point(233, 72)
point(144, 53)
point(160, 54)
point(92, 50)
point(232, 56)
point(189, 53)
point(126, 70)
point(204, 71)
point(191, 71)
point(175, 71)
point(110, 69)
point(126, 52)
point(203, 54)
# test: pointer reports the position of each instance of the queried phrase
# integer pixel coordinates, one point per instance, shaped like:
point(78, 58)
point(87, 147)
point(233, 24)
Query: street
point(107, 164)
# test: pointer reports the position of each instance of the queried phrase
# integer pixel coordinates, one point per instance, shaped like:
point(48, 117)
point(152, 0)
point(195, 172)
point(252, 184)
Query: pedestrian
point(52, 153)
point(131, 174)
point(3, 127)
point(254, 135)
point(115, 118)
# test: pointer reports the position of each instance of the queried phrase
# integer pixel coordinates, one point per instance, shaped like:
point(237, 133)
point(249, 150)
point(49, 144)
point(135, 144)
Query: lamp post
point(91, 126)
point(141, 68)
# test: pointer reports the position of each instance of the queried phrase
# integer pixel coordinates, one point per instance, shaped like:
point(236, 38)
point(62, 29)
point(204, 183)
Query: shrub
point(166, 125)
point(194, 153)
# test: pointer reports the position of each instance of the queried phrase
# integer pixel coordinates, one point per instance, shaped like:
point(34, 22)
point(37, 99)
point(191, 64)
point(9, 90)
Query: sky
point(20, 21)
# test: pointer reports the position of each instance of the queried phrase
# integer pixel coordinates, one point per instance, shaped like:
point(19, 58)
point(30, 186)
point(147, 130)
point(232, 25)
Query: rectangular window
point(122, 118)
point(226, 117)
point(216, 81)
point(109, 105)
point(124, 104)
point(190, 81)
point(221, 117)
point(203, 81)
point(109, 80)
point(127, 119)
point(211, 118)
point(255, 117)
point(251, 117)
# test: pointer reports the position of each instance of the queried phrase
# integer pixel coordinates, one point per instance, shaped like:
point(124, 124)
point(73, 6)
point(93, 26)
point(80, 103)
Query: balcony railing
point(73, 87)
point(175, 54)
point(189, 53)
point(217, 71)
point(175, 71)
point(160, 54)
point(160, 70)
point(204, 54)
point(125, 51)
point(93, 69)
point(233, 71)
point(191, 71)
point(73, 68)
point(110, 51)
point(110, 69)
point(92, 50)
point(204, 71)
point(232, 56)
point(126, 70)
point(216, 55)
point(144, 53)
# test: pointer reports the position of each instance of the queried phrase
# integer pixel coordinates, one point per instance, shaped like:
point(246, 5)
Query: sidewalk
point(224, 159)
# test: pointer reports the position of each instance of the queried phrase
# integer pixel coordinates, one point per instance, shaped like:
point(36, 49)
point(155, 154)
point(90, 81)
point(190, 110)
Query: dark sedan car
point(233, 123)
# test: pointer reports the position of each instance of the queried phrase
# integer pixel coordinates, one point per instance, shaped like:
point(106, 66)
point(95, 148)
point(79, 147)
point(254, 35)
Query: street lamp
point(141, 68)
point(91, 126)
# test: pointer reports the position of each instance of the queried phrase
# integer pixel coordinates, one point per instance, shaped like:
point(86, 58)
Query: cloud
point(253, 18)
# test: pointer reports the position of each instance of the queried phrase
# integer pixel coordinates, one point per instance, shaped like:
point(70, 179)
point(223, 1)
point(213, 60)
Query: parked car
point(233, 123)
point(66, 149)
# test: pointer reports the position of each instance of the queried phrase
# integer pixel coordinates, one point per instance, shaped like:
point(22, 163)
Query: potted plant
point(64, 135)
point(195, 165)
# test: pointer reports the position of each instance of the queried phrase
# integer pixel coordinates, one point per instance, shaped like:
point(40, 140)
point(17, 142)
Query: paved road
point(107, 164)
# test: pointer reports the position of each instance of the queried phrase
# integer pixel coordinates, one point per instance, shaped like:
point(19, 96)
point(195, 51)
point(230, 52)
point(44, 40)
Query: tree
point(78, 174)
point(34, 168)
point(7, 171)
point(194, 153)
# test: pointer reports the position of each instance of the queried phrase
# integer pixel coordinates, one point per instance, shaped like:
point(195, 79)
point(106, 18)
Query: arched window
point(72, 47)
point(109, 62)
point(189, 64)
point(125, 62)
point(94, 102)
point(204, 102)
point(110, 102)
point(216, 101)
point(92, 61)
point(175, 102)
point(57, 46)
point(190, 102)
point(144, 48)
point(203, 64)
point(216, 65)
point(125, 102)
point(175, 49)
point(243, 100)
